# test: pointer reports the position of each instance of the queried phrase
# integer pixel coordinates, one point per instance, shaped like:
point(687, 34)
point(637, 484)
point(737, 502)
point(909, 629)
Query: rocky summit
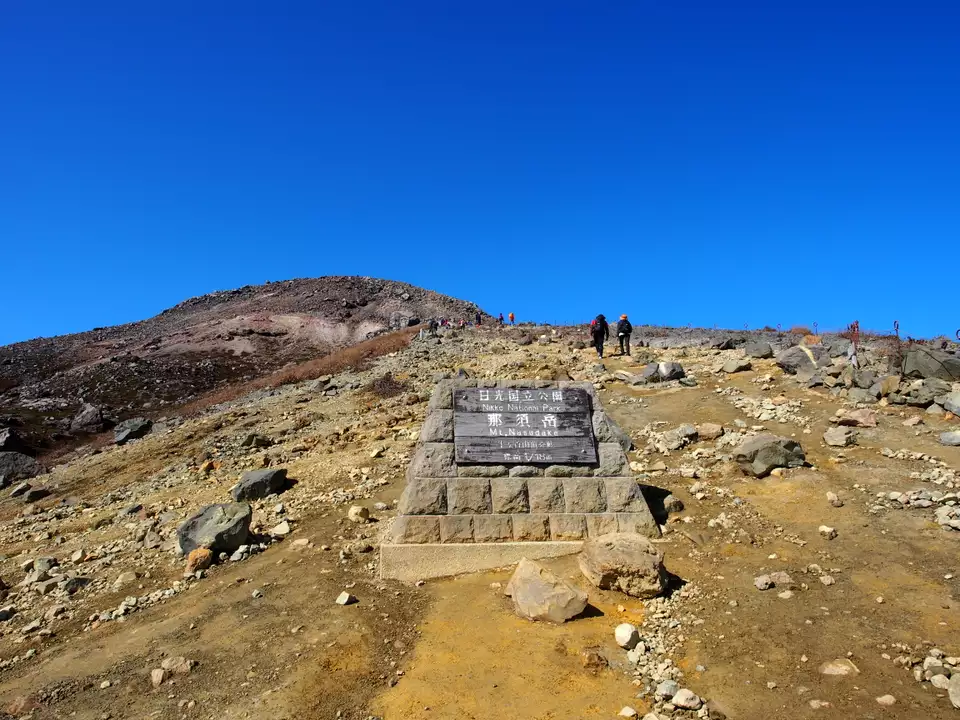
point(213, 545)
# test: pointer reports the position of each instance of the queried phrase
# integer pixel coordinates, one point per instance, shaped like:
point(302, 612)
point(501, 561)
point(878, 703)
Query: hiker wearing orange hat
point(624, 329)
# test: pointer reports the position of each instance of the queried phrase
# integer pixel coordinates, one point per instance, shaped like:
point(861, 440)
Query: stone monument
point(510, 469)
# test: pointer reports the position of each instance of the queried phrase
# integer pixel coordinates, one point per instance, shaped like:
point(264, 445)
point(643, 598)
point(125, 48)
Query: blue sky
point(699, 162)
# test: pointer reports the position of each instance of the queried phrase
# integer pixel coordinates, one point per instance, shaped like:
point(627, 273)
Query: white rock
point(886, 700)
point(628, 711)
point(687, 700)
point(358, 514)
point(940, 682)
point(627, 635)
point(827, 579)
point(281, 529)
point(667, 689)
point(345, 598)
point(828, 533)
point(840, 666)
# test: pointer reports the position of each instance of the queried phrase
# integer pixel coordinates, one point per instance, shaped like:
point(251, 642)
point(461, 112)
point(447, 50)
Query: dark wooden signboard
point(523, 427)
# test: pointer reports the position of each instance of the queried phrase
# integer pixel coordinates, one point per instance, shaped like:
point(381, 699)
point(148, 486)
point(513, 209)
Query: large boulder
point(840, 437)
point(950, 438)
point(758, 349)
point(670, 371)
point(17, 466)
point(626, 562)
point(952, 403)
point(257, 484)
point(88, 419)
point(800, 359)
point(538, 594)
point(221, 528)
point(10, 441)
point(132, 429)
point(922, 362)
point(758, 456)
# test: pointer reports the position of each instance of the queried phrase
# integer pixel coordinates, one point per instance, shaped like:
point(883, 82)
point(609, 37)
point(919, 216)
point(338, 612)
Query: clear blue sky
point(694, 162)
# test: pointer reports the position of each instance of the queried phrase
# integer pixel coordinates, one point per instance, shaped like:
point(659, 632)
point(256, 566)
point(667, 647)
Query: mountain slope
point(201, 344)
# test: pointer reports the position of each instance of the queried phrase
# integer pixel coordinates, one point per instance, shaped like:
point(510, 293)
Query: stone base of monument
point(410, 563)
point(511, 469)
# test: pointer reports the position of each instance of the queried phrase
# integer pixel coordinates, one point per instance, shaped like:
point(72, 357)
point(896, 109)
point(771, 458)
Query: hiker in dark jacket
point(624, 330)
point(601, 333)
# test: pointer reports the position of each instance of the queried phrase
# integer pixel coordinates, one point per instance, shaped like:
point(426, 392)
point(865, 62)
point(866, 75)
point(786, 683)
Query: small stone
point(940, 682)
point(840, 666)
point(178, 665)
point(687, 700)
point(827, 579)
point(627, 636)
point(628, 711)
point(828, 533)
point(281, 529)
point(785, 595)
point(157, 676)
point(880, 601)
point(667, 689)
point(257, 594)
point(763, 582)
point(345, 598)
point(199, 559)
point(834, 500)
point(105, 684)
point(886, 700)
point(358, 514)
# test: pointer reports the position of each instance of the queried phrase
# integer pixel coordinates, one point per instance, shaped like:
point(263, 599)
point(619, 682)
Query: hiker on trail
point(601, 333)
point(479, 318)
point(500, 320)
point(511, 318)
point(624, 329)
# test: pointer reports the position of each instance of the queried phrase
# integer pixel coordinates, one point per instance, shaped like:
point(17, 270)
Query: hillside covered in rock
point(203, 343)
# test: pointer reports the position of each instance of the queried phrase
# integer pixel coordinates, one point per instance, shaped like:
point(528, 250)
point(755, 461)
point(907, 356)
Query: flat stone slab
point(410, 563)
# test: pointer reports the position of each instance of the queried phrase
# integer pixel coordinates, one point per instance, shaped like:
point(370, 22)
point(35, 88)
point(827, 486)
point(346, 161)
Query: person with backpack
point(624, 330)
point(511, 316)
point(601, 333)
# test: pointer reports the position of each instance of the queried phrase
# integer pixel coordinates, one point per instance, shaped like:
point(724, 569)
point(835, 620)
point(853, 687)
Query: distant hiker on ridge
point(601, 333)
point(479, 318)
point(624, 329)
point(511, 318)
point(500, 320)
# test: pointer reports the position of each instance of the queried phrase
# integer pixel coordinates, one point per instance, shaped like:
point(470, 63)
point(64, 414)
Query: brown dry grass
point(357, 357)
point(800, 330)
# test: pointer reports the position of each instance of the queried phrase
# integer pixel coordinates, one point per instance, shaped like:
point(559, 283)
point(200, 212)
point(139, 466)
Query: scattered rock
point(132, 429)
point(737, 365)
point(345, 598)
point(627, 635)
point(358, 514)
point(828, 533)
point(257, 484)
point(16, 466)
point(886, 700)
point(157, 676)
point(221, 528)
point(951, 438)
point(687, 700)
point(840, 437)
point(840, 666)
point(761, 454)
point(538, 594)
